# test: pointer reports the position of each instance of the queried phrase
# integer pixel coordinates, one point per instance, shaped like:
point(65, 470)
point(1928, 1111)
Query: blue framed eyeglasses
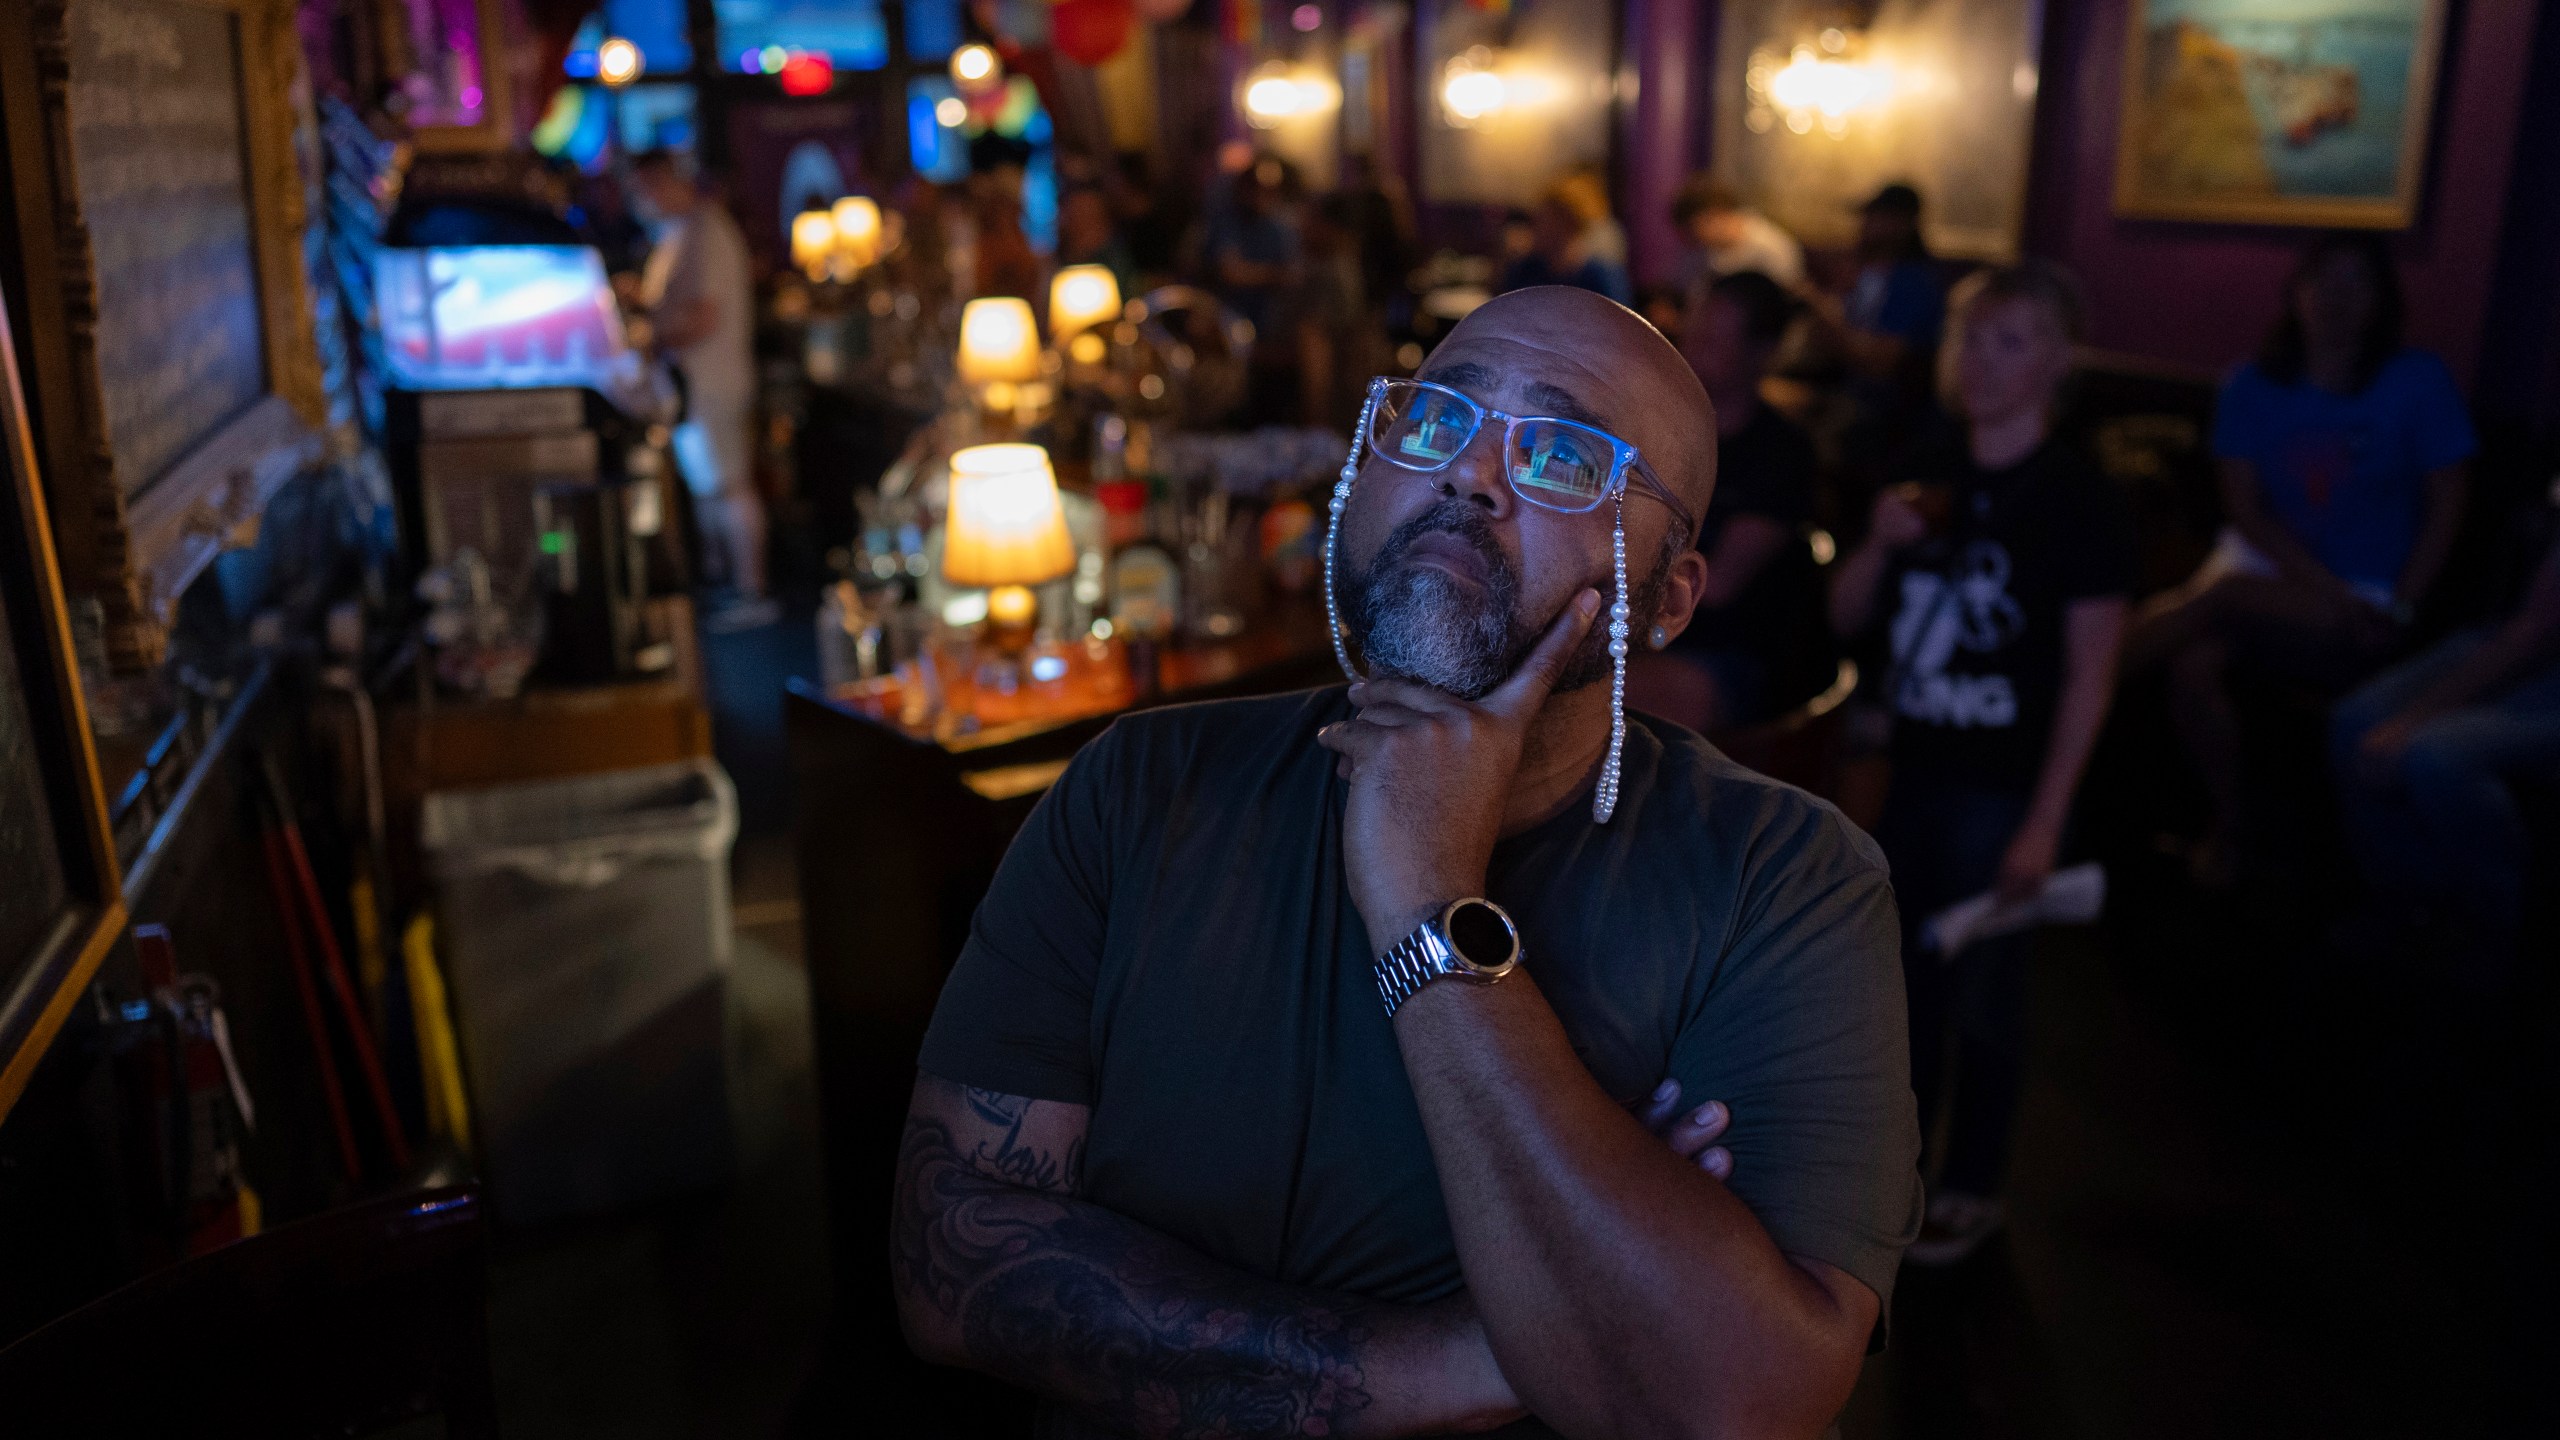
point(1560, 465)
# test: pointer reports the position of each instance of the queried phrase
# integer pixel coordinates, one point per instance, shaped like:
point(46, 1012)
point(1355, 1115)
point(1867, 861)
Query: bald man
point(1319, 1065)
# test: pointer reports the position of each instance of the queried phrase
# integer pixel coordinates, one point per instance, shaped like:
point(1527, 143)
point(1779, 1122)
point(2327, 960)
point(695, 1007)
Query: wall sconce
point(1277, 93)
point(813, 243)
point(1824, 83)
point(857, 234)
point(1080, 297)
point(1483, 85)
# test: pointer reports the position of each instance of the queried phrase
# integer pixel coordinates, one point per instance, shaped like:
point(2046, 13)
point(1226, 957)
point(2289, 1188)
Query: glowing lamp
point(998, 341)
point(951, 112)
point(857, 224)
point(813, 242)
point(1082, 296)
point(1006, 529)
point(617, 62)
point(975, 69)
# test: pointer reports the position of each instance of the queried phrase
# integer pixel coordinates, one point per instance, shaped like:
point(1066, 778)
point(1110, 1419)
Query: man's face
point(1450, 577)
point(1720, 229)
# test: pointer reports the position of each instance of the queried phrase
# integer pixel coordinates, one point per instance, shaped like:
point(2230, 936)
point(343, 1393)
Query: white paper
point(2069, 897)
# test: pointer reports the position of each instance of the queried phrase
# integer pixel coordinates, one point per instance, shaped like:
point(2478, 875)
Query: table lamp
point(857, 237)
point(1081, 297)
point(1006, 530)
point(998, 342)
point(813, 242)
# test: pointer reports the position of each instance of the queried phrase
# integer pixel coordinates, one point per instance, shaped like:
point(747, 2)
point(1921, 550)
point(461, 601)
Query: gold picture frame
point(44, 740)
point(2254, 113)
point(132, 531)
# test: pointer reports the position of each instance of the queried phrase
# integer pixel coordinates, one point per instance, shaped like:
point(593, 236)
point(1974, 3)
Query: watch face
point(1482, 935)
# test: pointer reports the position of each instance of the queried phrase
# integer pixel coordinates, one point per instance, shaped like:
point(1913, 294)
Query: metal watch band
point(1411, 963)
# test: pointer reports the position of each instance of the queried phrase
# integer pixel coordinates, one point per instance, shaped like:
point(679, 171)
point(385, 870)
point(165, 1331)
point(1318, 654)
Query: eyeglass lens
point(1554, 463)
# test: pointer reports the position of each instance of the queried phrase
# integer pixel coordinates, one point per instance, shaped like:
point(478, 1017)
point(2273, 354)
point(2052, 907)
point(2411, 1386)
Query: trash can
point(586, 929)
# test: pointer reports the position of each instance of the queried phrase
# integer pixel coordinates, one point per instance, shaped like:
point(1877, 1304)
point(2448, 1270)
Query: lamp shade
point(857, 222)
point(998, 341)
point(813, 242)
point(1005, 525)
point(1081, 296)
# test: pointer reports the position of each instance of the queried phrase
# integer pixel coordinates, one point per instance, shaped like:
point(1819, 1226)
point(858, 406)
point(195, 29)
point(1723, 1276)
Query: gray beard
point(1420, 623)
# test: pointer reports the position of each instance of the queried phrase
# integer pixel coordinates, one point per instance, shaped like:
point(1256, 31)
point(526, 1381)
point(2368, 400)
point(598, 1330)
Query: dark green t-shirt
point(1170, 942)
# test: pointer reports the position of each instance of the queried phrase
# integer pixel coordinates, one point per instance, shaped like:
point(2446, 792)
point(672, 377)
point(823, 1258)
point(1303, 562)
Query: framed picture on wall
point(2277, 112)
point(169, 351)
point(59, 904)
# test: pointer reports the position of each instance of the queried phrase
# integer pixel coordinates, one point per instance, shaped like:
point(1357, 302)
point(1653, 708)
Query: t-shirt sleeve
point(2097, 550)
point(2441, 424)
point(1016, 1014)
point(1806, 1044)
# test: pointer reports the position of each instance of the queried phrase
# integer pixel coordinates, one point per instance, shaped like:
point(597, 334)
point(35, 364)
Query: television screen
point(850, 33)
point(498, 317)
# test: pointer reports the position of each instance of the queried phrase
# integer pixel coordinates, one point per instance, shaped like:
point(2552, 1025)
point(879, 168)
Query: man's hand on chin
point(1430, 775)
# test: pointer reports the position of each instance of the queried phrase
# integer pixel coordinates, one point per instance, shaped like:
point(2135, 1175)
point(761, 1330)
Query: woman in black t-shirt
point(1738, 659)
point(2002, 576)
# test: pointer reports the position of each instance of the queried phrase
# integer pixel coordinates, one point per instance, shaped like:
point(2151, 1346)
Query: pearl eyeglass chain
point(1604, 798)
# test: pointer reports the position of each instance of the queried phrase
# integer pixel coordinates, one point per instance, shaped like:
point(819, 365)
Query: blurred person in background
point(1252, 253)
point(1380, 216)
point(2002, 576)
point(1250, 248)
point(699, 294)
point(1887, 323)
point(1003, 261)
point(1574, 241)
point(1761, 594)
point(2344, 457)
point(1088, 236)
point(1726, 237)
point(2426, 755)
point(1339, 338)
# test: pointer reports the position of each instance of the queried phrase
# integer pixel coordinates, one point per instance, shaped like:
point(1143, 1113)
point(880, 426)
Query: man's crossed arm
point(1000, 1267)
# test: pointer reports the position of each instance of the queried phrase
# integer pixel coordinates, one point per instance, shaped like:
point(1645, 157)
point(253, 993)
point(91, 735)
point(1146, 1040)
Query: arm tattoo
point(1098, 1311)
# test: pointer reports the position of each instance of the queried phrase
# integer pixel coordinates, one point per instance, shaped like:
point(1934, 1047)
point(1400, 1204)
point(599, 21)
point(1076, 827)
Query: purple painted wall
point(2200, 295)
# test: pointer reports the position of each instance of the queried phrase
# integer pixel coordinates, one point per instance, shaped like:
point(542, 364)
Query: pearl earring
point(1659, 637)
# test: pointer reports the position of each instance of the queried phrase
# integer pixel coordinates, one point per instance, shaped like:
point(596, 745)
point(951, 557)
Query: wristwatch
point(1472, 939)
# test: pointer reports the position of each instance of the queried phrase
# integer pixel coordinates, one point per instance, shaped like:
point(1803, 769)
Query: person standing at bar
point(2001, 577)
point(700, 296)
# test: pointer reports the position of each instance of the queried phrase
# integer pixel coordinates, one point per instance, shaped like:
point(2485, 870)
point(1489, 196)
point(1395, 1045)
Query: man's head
point(1084, 222)
point(660, 188)
point(1889, 225)
point(1450, 577)
point(1709, 212)
point(2007, 350)
point(1731, 339)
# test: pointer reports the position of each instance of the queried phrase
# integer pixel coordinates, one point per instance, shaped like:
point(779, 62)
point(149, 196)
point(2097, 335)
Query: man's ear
point(1682, 584)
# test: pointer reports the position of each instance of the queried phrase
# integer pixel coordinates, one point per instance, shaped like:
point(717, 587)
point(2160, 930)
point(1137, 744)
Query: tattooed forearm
point(998, 1266)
